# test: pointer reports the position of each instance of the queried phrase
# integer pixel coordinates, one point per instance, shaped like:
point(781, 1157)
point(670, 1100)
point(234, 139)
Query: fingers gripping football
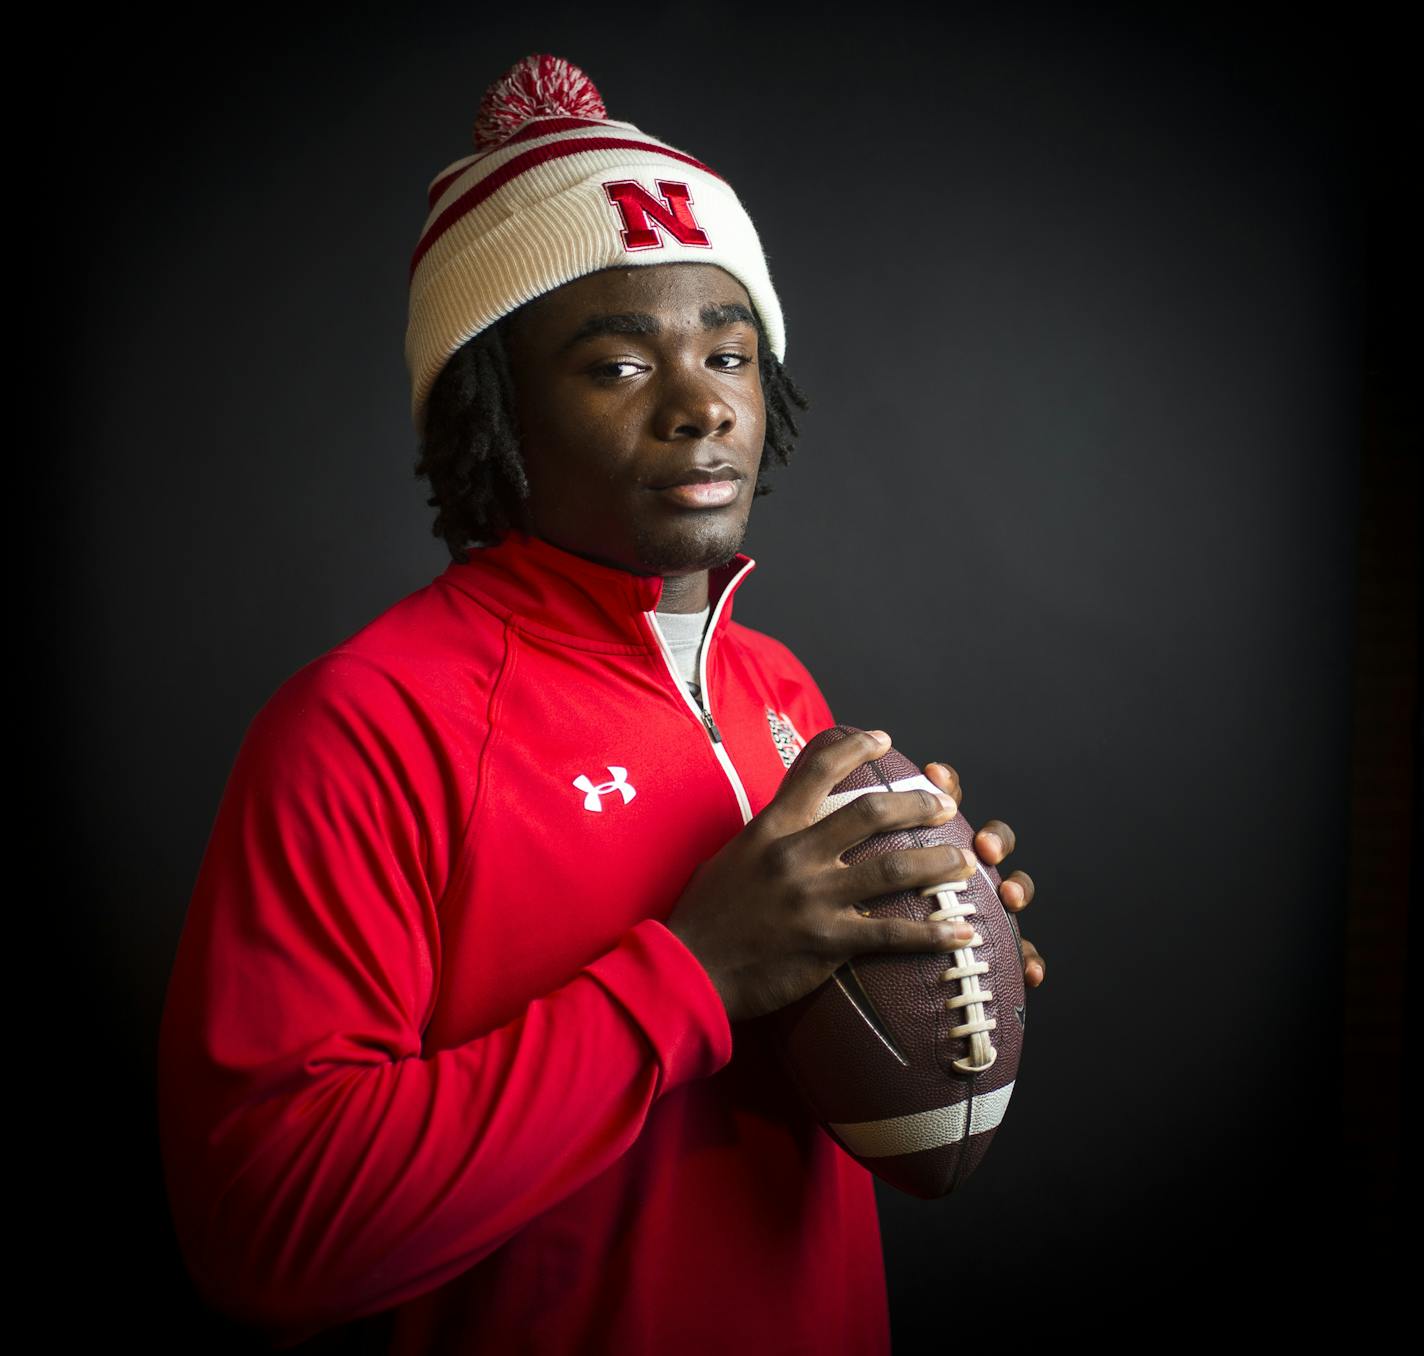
point(776, 912)
point(994, 841)
point(908, 1061)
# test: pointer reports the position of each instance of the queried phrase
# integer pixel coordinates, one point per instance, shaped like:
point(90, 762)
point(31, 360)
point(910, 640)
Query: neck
point(684, 592)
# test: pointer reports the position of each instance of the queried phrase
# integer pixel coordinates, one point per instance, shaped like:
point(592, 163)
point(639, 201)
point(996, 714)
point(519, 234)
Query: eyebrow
point(640, 322)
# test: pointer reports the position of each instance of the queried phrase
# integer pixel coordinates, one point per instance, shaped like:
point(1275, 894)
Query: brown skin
point(605, 420)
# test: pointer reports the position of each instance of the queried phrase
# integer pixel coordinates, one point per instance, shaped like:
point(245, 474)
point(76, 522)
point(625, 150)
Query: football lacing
point(966, 970)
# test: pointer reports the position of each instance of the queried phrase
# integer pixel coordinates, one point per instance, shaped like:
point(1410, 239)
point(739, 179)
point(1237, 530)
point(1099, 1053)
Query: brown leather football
point(909, 1060)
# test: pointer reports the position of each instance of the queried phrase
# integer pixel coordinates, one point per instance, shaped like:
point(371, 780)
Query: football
point(909, 1061)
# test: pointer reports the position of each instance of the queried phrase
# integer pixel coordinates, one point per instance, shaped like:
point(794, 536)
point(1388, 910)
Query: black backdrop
point(1078, 298)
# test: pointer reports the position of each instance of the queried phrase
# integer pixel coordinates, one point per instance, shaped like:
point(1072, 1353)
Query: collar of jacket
point(578, 601)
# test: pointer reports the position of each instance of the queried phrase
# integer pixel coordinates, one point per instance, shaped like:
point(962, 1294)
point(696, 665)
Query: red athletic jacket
point(427, 1047)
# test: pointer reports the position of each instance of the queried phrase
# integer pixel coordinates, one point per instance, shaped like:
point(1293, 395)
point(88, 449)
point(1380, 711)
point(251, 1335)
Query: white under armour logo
point(592, 792)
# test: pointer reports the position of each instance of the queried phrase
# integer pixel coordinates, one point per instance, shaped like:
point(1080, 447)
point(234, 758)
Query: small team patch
point(784, 735)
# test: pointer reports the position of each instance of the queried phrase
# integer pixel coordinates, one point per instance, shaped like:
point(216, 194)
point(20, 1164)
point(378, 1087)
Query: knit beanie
point(555, 190)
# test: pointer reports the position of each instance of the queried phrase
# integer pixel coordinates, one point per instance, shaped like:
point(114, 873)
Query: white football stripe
point(925, 1129)
point(919, 782)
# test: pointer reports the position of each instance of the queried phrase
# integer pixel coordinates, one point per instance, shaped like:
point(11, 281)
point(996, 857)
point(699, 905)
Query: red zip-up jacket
point(428, 1047)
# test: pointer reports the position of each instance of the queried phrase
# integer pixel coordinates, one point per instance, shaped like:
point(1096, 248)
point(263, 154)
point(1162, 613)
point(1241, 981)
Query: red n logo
point(640, 211)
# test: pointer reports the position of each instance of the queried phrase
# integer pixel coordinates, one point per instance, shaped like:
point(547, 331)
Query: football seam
point(869, 1013)
point(958, 1045)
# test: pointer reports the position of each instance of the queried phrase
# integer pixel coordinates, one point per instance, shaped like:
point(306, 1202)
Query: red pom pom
point(540, 86)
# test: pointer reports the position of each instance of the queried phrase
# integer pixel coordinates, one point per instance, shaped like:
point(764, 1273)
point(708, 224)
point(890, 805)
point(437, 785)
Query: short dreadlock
point(470, 450)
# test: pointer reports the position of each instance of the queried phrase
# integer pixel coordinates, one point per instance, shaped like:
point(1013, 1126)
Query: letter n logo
point(641, 213)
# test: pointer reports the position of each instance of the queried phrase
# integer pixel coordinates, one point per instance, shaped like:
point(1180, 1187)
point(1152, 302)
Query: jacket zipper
point(704, 712)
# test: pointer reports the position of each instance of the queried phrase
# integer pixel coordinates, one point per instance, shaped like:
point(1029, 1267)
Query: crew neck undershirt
point(685, 633)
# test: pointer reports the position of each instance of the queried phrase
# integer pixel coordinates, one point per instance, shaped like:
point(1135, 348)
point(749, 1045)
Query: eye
point(613, 371)
point(738, 361)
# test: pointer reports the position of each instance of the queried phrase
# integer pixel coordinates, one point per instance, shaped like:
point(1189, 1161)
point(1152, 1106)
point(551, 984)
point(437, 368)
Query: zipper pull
point(711, 727)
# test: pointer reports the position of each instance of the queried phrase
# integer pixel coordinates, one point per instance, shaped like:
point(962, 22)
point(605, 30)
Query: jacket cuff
point(665, 990)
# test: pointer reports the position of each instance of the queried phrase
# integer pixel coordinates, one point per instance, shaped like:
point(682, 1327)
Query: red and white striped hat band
point(557, 190)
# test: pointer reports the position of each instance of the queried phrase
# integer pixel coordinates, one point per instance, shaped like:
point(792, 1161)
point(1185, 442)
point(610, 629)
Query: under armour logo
point(592, 792)
point(1021, 1014)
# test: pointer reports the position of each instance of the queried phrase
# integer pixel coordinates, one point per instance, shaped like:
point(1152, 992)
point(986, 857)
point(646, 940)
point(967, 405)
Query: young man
point(449, 1036)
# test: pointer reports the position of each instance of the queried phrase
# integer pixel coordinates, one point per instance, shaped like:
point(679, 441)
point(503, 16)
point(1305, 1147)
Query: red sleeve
point(320, 1167)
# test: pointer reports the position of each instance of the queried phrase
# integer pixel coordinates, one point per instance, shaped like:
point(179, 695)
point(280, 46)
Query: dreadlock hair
point(470, 451)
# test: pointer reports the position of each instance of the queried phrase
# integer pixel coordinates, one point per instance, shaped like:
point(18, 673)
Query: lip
point(702, 475)
point(703, 493)
point(704, 486)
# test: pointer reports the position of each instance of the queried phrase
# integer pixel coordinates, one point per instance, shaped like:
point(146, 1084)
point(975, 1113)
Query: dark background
point(1094, 309)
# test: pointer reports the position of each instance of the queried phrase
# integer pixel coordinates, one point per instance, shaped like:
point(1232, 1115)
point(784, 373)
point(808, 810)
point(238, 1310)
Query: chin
point(694, 540)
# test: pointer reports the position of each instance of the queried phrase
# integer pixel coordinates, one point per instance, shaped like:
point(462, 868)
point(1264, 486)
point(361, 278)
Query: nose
point(693, 406)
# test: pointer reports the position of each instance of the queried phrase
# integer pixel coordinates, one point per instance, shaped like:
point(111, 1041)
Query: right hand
point(773, 914)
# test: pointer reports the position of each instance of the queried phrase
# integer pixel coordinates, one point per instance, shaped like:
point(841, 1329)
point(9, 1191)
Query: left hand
point(992, 843)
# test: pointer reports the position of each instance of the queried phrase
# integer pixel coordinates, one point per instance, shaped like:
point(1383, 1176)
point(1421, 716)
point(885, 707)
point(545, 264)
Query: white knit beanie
point(554, 191)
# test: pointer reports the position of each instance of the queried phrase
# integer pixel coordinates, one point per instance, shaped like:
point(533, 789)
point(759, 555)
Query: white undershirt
point(685, 633)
